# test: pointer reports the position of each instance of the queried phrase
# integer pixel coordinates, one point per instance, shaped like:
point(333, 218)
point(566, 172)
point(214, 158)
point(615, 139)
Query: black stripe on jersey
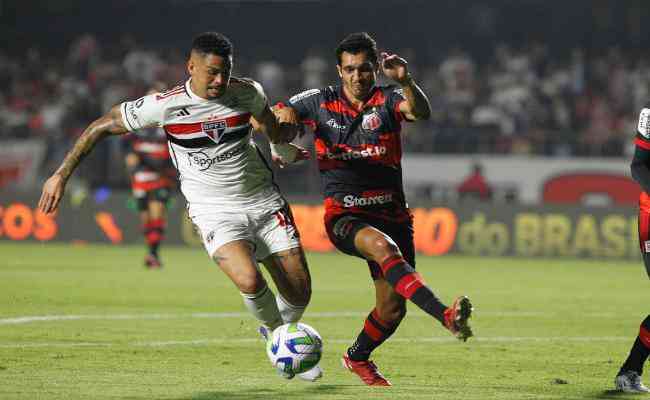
point(126, 117)
point(207, 142)
point(195, 143)
point(235, 135)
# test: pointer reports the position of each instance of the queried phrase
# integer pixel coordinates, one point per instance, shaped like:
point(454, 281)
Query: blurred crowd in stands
point(525, 100)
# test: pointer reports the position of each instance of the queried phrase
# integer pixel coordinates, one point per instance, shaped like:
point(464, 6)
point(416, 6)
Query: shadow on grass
point(614, 394)
point(267, 394)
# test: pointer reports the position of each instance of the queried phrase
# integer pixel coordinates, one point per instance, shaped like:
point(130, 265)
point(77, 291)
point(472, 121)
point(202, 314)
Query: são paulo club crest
point(371, 121)
point(214, 129)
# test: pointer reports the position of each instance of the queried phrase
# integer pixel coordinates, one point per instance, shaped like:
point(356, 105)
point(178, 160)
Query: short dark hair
point(356, 43)
point(213, 43)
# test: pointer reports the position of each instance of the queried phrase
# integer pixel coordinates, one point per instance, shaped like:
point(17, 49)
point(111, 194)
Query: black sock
point(640, 349)
point(409, 284)
point(374, 333)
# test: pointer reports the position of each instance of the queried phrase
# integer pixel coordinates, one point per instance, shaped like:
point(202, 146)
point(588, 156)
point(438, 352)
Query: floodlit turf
point(545, 329)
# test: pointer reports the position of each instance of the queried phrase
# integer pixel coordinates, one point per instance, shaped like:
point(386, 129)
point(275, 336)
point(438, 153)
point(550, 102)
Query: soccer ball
point(294, 348)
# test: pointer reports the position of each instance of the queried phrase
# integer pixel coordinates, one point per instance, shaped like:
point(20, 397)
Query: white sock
point(262, 306)
point(288, 311)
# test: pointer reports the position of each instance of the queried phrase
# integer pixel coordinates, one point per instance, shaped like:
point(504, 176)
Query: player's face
point(210, 74)
point(358, 74)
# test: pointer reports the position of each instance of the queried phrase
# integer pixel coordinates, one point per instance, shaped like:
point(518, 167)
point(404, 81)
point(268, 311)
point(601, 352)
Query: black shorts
point(161, 194)
point(342, 230)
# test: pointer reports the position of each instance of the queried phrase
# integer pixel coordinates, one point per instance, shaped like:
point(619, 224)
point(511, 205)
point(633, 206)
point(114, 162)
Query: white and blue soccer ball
point(294, 348)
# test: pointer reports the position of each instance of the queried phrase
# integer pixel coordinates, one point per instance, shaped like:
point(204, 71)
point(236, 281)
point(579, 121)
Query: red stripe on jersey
point(339, 107)
point(151, 185)
point(377, 99)
point(642, 144)
point(196, 127)
point(397, 113)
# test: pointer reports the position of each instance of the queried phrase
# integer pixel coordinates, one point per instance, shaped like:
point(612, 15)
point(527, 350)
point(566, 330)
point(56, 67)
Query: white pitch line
point(258, 341)
point(351, 314)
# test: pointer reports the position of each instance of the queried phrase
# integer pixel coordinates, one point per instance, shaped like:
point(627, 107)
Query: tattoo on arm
point(110, 123)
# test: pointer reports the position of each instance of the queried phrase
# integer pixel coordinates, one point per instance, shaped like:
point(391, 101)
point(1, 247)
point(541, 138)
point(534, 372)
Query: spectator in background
point(475, 186)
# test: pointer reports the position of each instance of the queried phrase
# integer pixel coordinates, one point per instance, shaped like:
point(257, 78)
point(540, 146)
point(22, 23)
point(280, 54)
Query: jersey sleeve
point(145, 112)
point(252, 96)
point(394, 98)
point(643, 130)
point(306, 104)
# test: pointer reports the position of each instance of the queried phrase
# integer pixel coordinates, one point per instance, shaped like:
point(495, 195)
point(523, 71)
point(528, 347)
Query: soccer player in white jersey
point(231, 197)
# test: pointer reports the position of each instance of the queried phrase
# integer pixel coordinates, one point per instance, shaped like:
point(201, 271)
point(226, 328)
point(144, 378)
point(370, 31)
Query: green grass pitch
point(545, 329)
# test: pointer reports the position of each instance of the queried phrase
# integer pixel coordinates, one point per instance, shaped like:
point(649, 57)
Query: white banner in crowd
point(531, 180)
point(20, 161)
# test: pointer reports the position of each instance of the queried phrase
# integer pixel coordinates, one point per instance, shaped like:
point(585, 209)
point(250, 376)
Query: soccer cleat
point(311, 375)
point(366, 370)
point(457, 316)
point(152, 262)
point(630, 382)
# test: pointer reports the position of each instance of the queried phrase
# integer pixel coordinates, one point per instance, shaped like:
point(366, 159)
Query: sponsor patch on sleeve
point(303, 95)
point(644, 123)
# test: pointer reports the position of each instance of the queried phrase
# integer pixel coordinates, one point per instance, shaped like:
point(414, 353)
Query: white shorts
point(269, 231)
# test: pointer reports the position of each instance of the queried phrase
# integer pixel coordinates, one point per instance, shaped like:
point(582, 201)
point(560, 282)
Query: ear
point(190, 66)
point(338, 68)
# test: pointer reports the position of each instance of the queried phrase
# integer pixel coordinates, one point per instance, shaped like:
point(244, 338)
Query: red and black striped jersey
point(641, 160)
point(150, 145)
point(358, 152)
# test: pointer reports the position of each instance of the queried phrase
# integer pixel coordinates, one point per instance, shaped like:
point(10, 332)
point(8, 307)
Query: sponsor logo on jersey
point(333, 124)
point(183, 112)
point(303, 95)
point(371, 121)
point(647, 246)
point(203, 161)
point(644, 123)
point(356, 154)
point(214, 129)
point(354, 201)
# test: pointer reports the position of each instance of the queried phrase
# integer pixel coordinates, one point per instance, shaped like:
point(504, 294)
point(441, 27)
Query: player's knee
point(250, 283)
point(383, 248)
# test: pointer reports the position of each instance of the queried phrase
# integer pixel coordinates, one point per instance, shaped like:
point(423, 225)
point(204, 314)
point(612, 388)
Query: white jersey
point(210, 143)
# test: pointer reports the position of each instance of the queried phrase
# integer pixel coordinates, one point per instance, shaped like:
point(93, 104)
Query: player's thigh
point(289, 271)
point(375, 244)
point(644, 238)
point(228, 240)
point(390, 306)
point(237, 261)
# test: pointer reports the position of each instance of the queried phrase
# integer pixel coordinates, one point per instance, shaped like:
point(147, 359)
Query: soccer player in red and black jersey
point(149, 164)
point(357, 138)
point(629, 376)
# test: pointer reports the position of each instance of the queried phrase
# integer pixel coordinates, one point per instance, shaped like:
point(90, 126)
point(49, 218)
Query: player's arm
point(639, 168)
point(282, 151)
point(416, 106)
point(109, 124)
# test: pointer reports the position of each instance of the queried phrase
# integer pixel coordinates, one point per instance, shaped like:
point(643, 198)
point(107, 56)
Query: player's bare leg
point(289, 271)
point(237, 261)
point(153, 221)
point(376, 246)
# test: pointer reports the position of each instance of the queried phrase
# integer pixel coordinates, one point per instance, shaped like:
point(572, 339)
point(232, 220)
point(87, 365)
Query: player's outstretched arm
point(109, 124)
point(417, 104)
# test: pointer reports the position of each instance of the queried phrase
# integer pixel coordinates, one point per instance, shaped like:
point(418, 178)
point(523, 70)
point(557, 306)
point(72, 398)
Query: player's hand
point(394, 67)
point(301, 154)
point(286, 115)
point(52, 193)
